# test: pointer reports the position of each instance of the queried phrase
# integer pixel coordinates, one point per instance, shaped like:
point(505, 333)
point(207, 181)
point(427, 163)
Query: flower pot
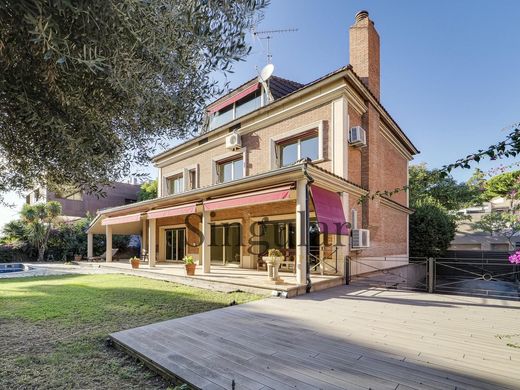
point(190, 269)
point(77, 257)
point(135, 263)
point(273, 263)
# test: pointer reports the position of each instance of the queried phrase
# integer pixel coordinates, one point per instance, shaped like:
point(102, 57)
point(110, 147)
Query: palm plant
point(39, 219)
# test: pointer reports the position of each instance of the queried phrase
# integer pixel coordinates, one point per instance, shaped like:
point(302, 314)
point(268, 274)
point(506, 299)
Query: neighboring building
point(470, 239)
point(76, 203)
point(251, 165)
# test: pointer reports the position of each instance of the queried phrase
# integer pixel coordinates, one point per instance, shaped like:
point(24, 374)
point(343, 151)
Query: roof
point(286, 89)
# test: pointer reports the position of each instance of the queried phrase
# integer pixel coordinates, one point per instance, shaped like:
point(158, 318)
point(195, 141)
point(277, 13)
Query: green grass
point(53, 329)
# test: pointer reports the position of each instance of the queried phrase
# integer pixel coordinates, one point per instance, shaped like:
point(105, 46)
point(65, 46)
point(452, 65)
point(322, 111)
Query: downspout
point(310, 180)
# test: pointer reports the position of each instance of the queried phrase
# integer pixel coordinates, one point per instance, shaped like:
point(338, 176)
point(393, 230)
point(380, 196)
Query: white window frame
point(178, 172)
point(186, 175)
point(278, 139)
point(217, 160)
point(353, 218)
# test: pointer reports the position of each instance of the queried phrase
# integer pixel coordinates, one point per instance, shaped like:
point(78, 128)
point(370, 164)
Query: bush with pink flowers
point(515, 258)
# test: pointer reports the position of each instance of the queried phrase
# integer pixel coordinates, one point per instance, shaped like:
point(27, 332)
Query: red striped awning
point(172, 211)
point(235, 98)
point(251, 198)
point(122, 219)
point(329, 211)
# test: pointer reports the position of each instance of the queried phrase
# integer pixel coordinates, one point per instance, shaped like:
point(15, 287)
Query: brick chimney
point(364, 51)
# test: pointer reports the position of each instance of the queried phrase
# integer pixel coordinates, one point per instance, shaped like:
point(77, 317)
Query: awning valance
point(172, 211)
point(251, 198)
point(122, 219)
point(235, 98)
point(329, 211)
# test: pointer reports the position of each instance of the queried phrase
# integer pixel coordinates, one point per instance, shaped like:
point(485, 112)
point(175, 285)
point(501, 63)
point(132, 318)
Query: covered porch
point(229, 229)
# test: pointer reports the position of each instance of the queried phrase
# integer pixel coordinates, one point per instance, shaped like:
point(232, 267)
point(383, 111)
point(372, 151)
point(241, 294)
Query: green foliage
point(432, 186)
point(505, 185)
point(188, 260)
point(509, 147)
point(87, 87)
point(505, 224)
point(148, 191)
point(274, 253)
point(38, 220)
point(431, 230)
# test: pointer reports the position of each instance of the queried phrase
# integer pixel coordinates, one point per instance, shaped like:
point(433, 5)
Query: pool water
point(5, 268)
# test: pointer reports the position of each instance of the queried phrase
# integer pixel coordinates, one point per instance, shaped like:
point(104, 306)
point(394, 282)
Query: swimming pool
point(12, 267)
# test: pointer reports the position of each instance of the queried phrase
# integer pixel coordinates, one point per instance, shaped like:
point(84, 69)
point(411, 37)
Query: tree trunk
point(41, 252)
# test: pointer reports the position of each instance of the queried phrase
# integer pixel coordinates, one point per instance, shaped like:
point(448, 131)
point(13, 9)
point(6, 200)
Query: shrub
point(431, 230)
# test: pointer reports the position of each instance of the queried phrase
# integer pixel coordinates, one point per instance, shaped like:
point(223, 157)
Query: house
point(467, 238)
point(282, 167)
point(76, 203)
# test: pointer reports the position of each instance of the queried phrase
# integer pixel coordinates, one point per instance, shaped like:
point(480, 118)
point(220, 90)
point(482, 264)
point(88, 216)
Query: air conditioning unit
point(233, 141)
point(360, 238)
point(357, 136)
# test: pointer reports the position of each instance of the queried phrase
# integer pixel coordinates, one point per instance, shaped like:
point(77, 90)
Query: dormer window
point(236, 106)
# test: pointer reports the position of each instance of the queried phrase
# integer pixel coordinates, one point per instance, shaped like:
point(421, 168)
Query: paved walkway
point(341, 338)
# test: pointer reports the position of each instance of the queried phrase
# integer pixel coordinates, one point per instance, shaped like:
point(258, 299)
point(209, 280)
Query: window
point(192, 179)
point(296, 149)
point(230, 170)
point(36, 195)
point(175, 184)
point(353, 219)
point(236, 109)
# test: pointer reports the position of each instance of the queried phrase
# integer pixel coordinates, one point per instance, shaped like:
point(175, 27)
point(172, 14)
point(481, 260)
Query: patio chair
point(103, 256)
point(289, 262)
point(260, 263)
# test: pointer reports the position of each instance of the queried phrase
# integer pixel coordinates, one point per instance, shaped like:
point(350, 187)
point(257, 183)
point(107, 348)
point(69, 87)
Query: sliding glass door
point(225, 244)
point(175, 244)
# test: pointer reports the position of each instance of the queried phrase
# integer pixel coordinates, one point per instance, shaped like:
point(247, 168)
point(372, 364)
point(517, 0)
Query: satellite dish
point(266, 72)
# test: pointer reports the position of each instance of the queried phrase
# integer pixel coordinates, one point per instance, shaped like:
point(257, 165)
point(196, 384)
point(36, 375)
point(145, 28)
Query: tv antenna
point(268, 35)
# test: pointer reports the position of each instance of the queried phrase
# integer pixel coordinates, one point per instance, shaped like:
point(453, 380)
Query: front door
point(175, 244)
point(225, 243)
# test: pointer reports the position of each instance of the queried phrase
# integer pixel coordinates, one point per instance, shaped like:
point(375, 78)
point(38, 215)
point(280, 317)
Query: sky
point(449, 68)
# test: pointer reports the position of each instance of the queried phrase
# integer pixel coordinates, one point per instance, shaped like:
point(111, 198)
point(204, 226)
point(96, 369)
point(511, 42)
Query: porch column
point(90, 245)
point(144, 236)
point(108, 252)
point(206, 249)
point(301, 232)
point(151, 242)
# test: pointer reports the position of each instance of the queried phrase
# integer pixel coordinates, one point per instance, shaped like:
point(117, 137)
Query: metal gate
point(495, 278)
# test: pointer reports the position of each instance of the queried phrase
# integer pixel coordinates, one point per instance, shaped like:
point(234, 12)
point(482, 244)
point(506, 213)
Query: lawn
point(53, 329)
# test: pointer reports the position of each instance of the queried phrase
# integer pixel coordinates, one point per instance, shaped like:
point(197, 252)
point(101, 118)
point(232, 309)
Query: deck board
point(342, 338)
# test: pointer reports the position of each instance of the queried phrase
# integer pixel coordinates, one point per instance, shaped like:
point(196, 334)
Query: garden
point(54, 329)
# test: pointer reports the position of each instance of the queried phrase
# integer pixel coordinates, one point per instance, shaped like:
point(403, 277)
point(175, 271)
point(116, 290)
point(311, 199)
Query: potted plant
point(135, 261)
point(273, 259)
point(190, 265)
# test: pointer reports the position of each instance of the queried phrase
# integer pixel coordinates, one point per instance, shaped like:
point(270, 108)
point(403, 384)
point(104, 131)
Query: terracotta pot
point(190, 269)
point(135, 263)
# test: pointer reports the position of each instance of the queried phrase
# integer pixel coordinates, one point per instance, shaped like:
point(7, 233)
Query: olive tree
point(88, 88)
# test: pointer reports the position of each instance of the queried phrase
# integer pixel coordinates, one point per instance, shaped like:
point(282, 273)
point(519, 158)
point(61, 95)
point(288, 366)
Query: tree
point(87, 87)
point(506, 185)
point(148, 191)
point(505, 224)
point(431, 230)
point(432, 186)
point(39, 219)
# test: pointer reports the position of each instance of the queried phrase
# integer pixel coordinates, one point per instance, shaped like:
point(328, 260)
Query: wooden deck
point(341, 338)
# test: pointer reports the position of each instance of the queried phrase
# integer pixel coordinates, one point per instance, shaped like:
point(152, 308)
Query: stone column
point(206, 249)
point(108, 252)
point(301, 232)
point(151, 242)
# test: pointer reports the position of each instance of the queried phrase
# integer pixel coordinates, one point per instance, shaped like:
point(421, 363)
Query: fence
point(488, 277)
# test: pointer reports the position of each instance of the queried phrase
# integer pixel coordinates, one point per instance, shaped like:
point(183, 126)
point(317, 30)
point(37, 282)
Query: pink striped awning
point(172, 211)
point(329, 211)
point(122, 219)
point(251, 198)
point(235, 98)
